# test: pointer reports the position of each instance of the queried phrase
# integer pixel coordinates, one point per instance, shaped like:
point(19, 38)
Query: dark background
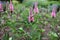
point(9, 0)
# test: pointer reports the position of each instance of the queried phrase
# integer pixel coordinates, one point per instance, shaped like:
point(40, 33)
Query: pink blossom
point(1, 8)
point(36, 10)
point(11, 8)
point(53, 14)
point(30, 18)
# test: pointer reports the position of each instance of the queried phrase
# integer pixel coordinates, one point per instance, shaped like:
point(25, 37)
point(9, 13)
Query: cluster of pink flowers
point(11, 8)
point(30, 18)
point(36, 10)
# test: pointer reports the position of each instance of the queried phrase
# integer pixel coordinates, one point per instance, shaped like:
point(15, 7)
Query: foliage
point(21, 29)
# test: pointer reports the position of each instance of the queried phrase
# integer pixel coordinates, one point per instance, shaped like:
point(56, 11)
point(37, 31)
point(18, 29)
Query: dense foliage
point(15, 25)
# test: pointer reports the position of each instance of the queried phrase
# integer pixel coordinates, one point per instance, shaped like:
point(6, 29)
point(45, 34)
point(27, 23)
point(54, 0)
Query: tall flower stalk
point(31, 18)
point(11, 8)
point(53, 14)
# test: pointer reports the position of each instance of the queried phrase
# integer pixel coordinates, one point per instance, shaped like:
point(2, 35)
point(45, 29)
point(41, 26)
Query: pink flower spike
point(30, 18)
point(53, 14)
point(36, 10)
point(11, 8)
point(1, 8)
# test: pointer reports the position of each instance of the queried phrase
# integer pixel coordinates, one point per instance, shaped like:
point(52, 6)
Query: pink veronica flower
point(30, 18)
point(11, 8)
point(53, 14)
point(36, 10)
point(1, 8)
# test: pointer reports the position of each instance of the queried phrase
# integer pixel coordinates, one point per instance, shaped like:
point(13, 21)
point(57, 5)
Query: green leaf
point(6, 36)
